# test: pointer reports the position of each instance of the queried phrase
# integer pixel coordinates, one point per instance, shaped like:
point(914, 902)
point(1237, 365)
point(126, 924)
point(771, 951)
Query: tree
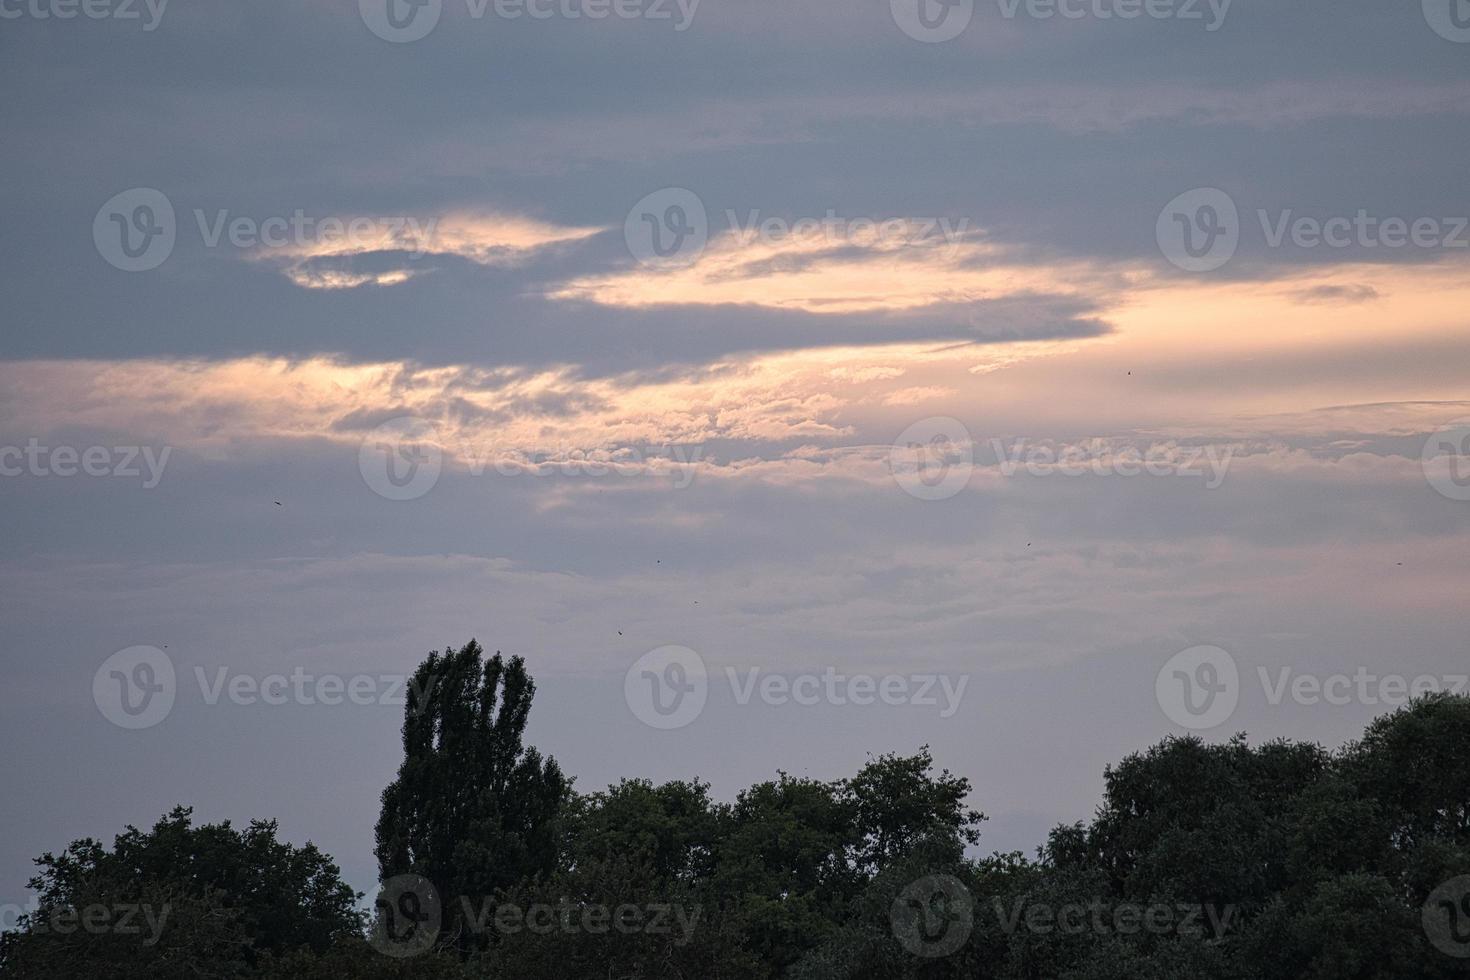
point(180, 901)
point(472, 810)
point(897, 800)
point(1415, 762)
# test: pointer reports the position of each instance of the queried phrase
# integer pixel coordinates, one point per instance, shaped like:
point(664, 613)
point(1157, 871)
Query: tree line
point(1281, 861)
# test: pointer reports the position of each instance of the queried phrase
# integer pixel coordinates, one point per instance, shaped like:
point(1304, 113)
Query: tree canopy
point(1217, 861)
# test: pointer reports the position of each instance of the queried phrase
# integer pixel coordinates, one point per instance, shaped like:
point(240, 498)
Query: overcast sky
point(1006, 349)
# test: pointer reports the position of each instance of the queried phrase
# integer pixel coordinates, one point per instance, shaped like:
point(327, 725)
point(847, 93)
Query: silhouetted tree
point(180, 901)
point(472, 810)
point(1302, 864)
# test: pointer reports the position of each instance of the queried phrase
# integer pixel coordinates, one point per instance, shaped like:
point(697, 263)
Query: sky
point(787, 383)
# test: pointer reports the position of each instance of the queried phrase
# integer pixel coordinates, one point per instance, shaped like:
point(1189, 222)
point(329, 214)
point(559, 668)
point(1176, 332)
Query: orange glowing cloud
point(316, 261)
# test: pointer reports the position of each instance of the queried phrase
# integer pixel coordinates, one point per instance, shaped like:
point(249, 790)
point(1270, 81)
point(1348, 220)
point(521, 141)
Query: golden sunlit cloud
point(1243, 363)
point(860, 270)
point(486, 239)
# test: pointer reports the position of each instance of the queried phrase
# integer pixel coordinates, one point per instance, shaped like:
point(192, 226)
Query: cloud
point(1345, 293)
point(859, 269)
point(328, 258)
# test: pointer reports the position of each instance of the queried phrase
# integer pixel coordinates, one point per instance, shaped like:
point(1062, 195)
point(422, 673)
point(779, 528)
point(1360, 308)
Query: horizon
point(789, 387)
